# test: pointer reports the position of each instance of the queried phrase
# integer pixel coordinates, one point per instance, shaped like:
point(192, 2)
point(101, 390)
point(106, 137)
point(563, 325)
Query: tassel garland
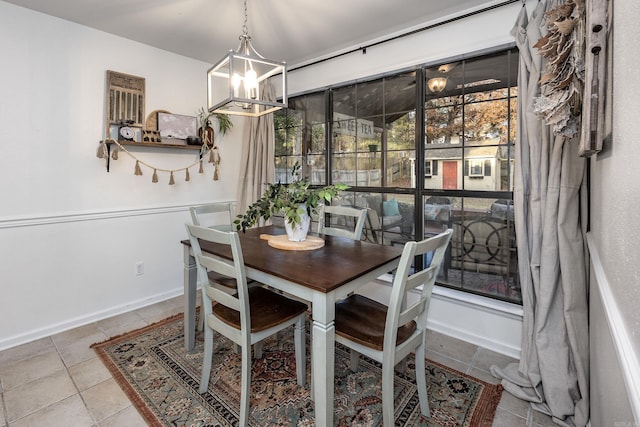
point(103, 152)
point(216, 173)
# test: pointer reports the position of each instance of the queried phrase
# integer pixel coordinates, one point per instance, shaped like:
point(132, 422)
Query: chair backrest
point(217, 215)
point(402, 309)
point(343, 221)
point(231, 268)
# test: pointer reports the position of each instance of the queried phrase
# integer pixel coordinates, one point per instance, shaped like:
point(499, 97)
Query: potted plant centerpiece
point(295, 200)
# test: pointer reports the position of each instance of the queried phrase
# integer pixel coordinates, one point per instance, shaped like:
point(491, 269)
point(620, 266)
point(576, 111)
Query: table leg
point(190, 292)
point(322, 358)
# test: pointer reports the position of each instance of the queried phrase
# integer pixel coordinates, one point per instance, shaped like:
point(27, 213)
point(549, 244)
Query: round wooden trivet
point(282, 242)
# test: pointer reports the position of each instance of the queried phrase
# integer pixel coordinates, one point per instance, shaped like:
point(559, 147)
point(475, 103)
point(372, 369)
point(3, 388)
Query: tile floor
point(59, 381)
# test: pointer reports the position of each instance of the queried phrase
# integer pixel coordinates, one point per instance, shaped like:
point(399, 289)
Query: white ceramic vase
point(298, 232)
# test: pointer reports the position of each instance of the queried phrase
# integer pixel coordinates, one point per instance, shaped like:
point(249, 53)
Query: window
point(475, 168)
point(376, 137)
point(470, 128)
point(430, 168)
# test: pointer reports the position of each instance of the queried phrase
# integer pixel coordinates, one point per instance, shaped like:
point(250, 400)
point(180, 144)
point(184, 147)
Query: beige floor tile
point(538, 419)
point(68, 412)
point(512, 404)
point(447, 361)
point(105, 399)
point(483, 375)
point(26, 351)
point(89, 373)
point(129, 417)
point(118, 325)
point(160, 311)
point(451, 347)
point(27, 370)
point(67, 338)
point(2, 415)
point(507, 419)
point(80, 350)
point(31, 397)
point(485, 358)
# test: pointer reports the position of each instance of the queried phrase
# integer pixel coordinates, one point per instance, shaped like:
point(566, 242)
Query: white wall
point(615, 203)
point(71, 233)
point(482, 321)
point(463, 37)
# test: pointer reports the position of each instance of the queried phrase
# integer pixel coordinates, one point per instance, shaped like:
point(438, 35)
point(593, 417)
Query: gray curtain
point(549, 200)
point(257, 166)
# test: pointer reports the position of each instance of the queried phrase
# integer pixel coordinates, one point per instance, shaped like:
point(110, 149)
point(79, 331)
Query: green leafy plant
point(224, 121)
point(292, 200)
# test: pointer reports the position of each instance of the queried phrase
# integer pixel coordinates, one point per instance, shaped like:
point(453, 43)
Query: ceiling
point(295, 31)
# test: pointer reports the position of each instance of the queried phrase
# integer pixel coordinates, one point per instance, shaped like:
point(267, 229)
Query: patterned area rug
point(162, 381)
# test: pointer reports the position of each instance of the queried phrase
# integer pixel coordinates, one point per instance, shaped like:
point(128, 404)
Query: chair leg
point(206, 360)
point(387, 393)
point(301, 366)
point(354, 360)
point(257, 350)
point(245, 385)
point(421, 380)
point(200, 325)
point(311, 393)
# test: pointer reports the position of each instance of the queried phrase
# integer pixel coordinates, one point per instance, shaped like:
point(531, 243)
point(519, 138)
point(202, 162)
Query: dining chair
point(203, 215)
point(388, 334)
point(219, 215)
point(245, 317)
point(343, 221)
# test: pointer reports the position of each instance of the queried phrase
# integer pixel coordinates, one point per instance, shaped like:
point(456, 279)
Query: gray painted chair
point(245, 317)
point(218, 215)
point(343, 221)
point(388, 334)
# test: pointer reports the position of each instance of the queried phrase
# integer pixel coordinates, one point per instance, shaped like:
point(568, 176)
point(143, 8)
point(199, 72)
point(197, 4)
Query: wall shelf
point(148, 145)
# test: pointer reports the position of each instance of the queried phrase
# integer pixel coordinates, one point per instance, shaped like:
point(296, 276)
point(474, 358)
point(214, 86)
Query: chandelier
point(437, 84)
point(235, 84)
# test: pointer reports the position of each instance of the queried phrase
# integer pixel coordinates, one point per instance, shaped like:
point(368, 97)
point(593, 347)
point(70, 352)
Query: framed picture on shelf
point(125, 99)
point(175, 128)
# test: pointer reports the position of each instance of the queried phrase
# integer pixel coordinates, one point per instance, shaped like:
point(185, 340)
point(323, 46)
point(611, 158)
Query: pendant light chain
point(245, 27)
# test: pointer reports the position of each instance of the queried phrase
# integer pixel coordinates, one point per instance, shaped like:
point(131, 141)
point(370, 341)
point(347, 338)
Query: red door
point(450, 175)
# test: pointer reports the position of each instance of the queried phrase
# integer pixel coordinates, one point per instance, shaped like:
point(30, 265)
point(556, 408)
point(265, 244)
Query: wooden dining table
point(320, 276)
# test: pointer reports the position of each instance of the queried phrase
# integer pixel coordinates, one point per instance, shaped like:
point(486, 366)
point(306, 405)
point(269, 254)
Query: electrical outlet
point(139, 268)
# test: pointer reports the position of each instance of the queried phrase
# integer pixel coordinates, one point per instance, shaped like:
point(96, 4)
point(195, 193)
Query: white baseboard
point(57, 328)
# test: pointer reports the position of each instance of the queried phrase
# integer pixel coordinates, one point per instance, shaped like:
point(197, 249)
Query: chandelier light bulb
point(437, 84)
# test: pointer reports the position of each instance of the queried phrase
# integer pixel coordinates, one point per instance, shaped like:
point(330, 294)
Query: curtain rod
point(409, 33)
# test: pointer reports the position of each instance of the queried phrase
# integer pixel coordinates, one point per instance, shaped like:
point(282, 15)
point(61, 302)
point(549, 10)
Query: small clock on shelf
point(125, 131)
